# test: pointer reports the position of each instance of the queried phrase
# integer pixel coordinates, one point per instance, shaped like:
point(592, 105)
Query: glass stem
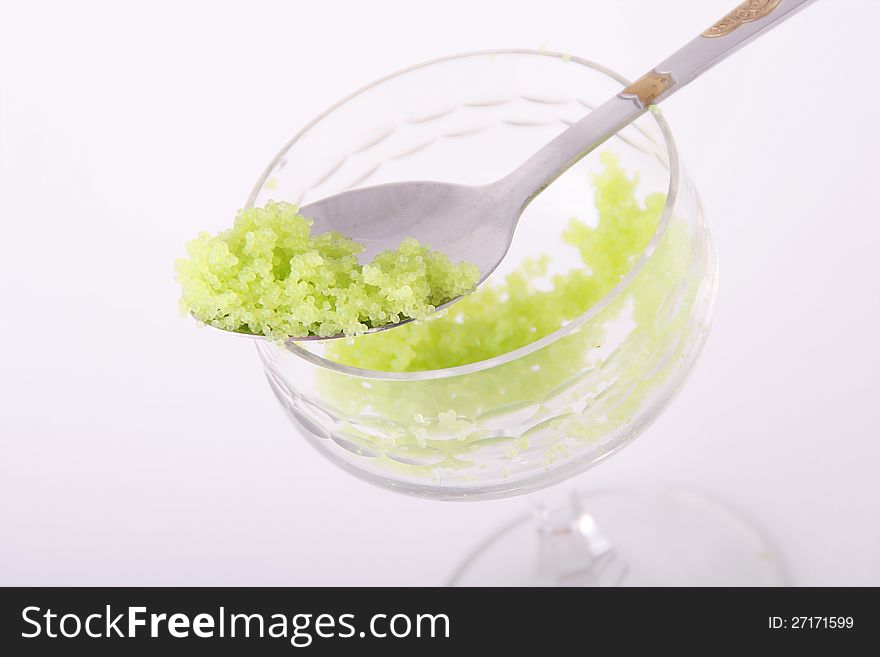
point(572, 550)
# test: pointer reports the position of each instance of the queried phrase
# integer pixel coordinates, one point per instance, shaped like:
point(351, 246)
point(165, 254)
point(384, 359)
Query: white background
point(135, 449)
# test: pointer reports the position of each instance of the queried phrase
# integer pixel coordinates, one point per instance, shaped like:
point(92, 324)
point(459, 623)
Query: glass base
point(623, 538)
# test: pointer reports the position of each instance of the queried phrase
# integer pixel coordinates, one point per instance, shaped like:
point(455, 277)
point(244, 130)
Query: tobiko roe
point(268, 275)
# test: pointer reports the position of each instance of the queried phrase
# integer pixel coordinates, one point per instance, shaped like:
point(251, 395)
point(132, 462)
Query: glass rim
point(563, 331)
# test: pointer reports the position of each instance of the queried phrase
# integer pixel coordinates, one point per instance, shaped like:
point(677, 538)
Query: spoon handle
point(746, 22)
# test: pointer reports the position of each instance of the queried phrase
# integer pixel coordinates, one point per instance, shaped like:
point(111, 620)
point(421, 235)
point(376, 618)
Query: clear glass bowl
point(549, 410)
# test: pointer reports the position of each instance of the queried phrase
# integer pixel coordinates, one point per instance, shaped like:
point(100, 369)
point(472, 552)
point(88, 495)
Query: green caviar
point(516, 311)
point(577, 397)
point(268, 275)
point(581, 393)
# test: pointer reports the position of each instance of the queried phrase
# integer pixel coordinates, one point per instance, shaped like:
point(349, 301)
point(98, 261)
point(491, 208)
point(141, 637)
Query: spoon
point(476, 223)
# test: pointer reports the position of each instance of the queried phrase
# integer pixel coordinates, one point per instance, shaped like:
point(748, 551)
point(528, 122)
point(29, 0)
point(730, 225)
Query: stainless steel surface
point(476, 223)
point(703, 52)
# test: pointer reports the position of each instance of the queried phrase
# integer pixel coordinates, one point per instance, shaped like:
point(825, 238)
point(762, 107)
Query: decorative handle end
point(746, 12)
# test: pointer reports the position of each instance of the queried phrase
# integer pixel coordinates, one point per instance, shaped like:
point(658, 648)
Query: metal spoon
point(476, 223)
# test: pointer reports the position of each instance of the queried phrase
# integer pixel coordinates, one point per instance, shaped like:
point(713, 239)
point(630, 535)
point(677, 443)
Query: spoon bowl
point(470, 223)
point(473, 222)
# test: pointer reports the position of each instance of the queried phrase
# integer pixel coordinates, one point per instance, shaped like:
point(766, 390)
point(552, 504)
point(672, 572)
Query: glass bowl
point(549, 410)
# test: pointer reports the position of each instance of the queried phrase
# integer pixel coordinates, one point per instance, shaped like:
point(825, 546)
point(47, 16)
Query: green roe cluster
point(268, 275)
point(580, 393)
